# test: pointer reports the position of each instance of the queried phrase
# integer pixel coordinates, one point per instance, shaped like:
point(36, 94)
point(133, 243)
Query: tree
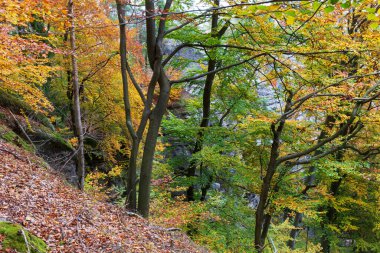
point(81, 170)
point(301, 70)
point(356, 23)
point(212, 64)
point(153, 115)
point(24, 52)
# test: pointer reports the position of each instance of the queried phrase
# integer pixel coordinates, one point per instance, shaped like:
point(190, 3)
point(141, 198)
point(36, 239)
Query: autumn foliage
point(252, 126)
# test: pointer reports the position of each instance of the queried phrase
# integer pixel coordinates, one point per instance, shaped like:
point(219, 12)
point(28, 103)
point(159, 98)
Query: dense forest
point(251, 126)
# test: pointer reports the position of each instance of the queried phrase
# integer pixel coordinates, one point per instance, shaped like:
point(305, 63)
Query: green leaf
point(371, 10)
point(290, 20)
point(262, 7)
point(278, 15)
point(372, 16)
point(329, 9)
point(373, 25)
point(334, 1)
point(346, 5)
point(306, 12)
point(291, 13)
point(316, 5)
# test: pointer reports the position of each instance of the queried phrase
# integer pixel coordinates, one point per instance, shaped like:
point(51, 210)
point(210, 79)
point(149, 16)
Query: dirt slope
point(71, 221)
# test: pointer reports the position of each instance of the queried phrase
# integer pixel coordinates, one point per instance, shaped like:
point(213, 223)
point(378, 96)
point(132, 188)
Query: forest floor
point(37, 197)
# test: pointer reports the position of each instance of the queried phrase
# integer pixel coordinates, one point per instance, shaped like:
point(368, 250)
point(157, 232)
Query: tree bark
point(330, 216)
point(206, 99)
point(150, 145)
point(131, 178)
point(76, 100)
point(204, 123)
point(294, 232)
point(262, 219)
point(154, 48)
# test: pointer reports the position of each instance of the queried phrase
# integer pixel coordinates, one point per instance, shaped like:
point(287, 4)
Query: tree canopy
point(252, 125)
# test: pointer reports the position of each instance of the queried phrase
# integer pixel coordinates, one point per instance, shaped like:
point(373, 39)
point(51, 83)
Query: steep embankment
point(68, 220)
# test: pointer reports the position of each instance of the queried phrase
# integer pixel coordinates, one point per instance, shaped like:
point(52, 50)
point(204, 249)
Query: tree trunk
point(76, 100)
point(150, 145)
point(204, 123)
point(331, 214)
point(205, 172)
point(130, 179)
point(206, 107)
point(262, 219)
point(69, 90)
point(294, 232)
point(154, 49)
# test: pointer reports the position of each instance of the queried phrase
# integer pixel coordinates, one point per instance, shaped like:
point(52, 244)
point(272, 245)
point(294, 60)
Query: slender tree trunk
point(76, 100)
point(192, 169)
point(154, 48)
point(131, 200)
point(69, 90)
point(150, 145)
point(130, 179)
point(331, 214)
point(204, 123)
point(207, 91)
point(294, 232)
point(262, 219)
point(205, 172)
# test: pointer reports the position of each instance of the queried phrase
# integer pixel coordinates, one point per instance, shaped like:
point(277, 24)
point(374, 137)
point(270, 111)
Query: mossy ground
point(11, 237)
point(11, 137)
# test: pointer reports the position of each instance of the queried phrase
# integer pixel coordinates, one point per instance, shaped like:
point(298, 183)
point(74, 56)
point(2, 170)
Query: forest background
point(252, 126)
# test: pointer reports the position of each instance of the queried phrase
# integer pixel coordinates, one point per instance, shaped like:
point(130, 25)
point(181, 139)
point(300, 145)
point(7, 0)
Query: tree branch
point(216, 70)
point(134, 82)
point(344, 128)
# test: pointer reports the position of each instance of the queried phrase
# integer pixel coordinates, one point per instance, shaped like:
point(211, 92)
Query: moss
point(16, 104)
point(12, 238)
point(13, 101)
point(11, 137)
point(58, 138)
point(2, 116)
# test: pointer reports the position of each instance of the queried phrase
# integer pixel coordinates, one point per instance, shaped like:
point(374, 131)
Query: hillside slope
point(68, 220)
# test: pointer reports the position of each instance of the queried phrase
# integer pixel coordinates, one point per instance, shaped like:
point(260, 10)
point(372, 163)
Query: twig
point(26, 240)
point(71, 157)
point(135, 215)
point(165, 229)
point(79, 236)
point(273, 247)
point(173, 229)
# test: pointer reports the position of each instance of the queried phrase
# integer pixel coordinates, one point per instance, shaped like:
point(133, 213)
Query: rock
point(15, 237)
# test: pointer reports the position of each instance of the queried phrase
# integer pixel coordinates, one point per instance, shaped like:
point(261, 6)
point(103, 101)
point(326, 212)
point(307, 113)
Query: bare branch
point(341, 131)
point(186, 23)
point(217, 70)
point(98, 67)
point(134, 82)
